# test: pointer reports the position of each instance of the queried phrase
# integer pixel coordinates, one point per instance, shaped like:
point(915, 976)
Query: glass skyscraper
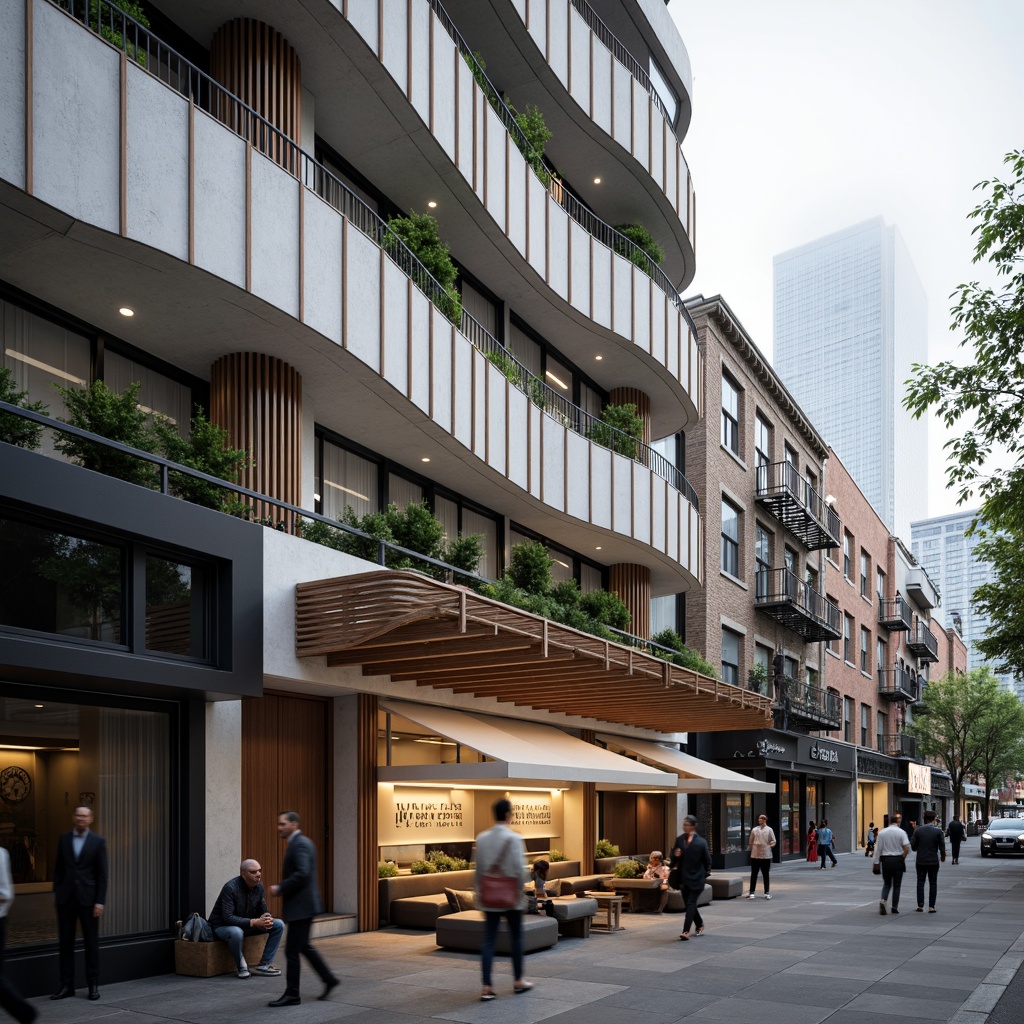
point(850, 319)
point(948, 556)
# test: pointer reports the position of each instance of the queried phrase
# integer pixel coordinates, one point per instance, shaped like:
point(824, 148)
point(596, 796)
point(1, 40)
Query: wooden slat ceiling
point(409, 627)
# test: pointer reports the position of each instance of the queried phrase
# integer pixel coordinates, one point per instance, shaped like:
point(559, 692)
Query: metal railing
point(292, 518)
point(804, 700)
point(899, 744)
point(922, 642)
point(897, 683)
point(621, 54)
point(777, 586)
point(560, 192)
point(785, 477)
point(175, 71)
point(895, 614)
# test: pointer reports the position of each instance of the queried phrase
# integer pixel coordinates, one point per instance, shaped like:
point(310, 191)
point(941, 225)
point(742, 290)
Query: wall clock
point(15, 784)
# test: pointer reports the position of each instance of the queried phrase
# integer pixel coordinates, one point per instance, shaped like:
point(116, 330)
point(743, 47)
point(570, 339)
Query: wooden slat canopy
point(409, 627)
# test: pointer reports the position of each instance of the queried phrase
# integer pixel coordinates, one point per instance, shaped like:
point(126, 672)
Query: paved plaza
point(818, 951)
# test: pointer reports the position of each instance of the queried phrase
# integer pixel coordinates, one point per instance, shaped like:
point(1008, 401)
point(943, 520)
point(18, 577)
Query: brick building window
point(864, 573)
point(865, 656)
point(730, 415)
point(848, 719)
point(848, 639)
point(730, 539)
point(730, 657)
point(865, 719)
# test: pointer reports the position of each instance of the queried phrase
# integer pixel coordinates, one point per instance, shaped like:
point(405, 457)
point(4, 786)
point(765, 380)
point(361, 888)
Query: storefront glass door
point(791, 823)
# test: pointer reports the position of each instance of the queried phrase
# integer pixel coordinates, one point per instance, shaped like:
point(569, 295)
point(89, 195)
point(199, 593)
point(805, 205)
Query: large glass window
point(864, 584)
point(762, 559)
point(478, 306)
point(880, 584)
point(159, 395)
point(664, 91)
point(65, 584)
point(847, 544)
point(347, 480)
point(526, 350)
point(762, 447)
point(403, 492)
point(880, 657)
point(664, 614)
point(848, 639)
point(865, 718)
point(730, 539)
point(730, 415)
point(865, 648)
point(880, 728)
point(176, 608)
point(118, 762)
point(738, 821)
point(730, 657)
point(848, 719)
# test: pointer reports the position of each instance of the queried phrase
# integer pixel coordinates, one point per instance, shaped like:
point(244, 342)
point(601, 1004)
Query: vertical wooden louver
point(255, 63)
point(589, 822)
point(633, 585)
point(257, 399)
point(366, 841)
point(632, 396)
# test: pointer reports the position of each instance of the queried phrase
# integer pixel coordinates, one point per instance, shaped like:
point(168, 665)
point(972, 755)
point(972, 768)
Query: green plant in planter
point(108, 20)
point(443, 862)
point(606, 607)
point(757, 679)
point(507, 365)
point(387, 869)
point(420, 234)
point(116, 417)
point(620, 429)
point(556, 856)
point(13, 429)
point(529, 567)
point(647, 254)
point(605, 848)
point(538, 393)
point(421, 867)
point(206, 449)
point(533, 126)
point(683, 656)
point(628, 869)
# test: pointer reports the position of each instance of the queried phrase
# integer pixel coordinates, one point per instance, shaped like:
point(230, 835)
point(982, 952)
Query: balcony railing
point(185, 78)
point(922, 642)
point(802, 703)
point(895, 614)
point(897, 684)
point(784, 596)
point(899, 744)
point(790, 497)
point(621, 54)
point(572, 205)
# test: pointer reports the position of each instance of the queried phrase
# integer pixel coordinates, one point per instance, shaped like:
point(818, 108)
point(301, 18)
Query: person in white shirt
point(762, 839)
point(10, 999)
point(891, 849)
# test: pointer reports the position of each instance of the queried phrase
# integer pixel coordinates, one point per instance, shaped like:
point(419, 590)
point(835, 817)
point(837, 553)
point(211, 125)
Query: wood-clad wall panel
point(368, 910)
point(642, 401)
point(651, 823)
point(257, 64)
point(258, 399)
point(618, 820)
point(589, 822)
point(286, 766)
point(632, 583)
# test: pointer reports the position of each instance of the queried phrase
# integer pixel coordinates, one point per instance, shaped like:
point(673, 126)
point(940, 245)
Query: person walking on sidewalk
point(690, 867)
point(762, 839)
point(812, 844)
point(957, 832)
point(825, 840)
point(929, 844)
point(891, 849)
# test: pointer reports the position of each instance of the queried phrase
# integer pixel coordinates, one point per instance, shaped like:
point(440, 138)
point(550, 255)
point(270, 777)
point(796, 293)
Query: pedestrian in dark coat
point(690, 867)
point(930, 845)
point(80, 892)
point(301, 894)
point(957, 832)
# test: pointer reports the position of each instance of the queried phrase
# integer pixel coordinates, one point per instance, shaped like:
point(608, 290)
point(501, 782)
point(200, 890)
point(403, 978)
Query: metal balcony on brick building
point(922, 642)
point(899, 744)
point(897, 684)
point(895, 614)
point(797, 505)
point(803, 704)
point(785, 597)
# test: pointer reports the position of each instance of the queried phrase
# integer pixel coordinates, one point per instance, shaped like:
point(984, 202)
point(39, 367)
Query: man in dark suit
point(301, 894)
point(690, 867)
point(930, 845)
point(80, 889)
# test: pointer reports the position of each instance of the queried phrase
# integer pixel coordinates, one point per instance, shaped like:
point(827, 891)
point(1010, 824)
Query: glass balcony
point(895, 615)
point(897, 684)
point(899, 744)
point(922, 643)
point(804, 704)
point(785, 597)
point(797, 505)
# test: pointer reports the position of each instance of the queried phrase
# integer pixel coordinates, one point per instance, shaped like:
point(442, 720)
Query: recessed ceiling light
point(597, 181)
point(598, 548)
point(426, 458)
point(599, 358)
point(39, 705)
point(126, 311)
point(432, 204)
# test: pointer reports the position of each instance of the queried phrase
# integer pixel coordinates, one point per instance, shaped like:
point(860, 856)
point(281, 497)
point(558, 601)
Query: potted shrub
point(420, 234)
point(387, 869)
point(757, 679)
point(645, 252)
point(620, 429)
point(605, 848)
point(628, 869)
point(13, 429)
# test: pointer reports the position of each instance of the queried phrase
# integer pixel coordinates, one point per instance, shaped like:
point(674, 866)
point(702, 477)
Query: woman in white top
point(762, 839)
point(501, 853)
point(657, 870)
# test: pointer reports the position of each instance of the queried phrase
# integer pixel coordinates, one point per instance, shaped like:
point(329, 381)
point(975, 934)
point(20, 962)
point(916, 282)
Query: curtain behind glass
point(664, 614)
point(446, 512)
point(158, 394)
point(480, 309)
point(347, 479)
point(132, 814)
point(402, 492)
point(475, 523)
point(525, 349)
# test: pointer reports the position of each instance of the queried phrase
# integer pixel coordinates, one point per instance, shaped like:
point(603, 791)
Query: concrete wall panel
point(580, 267)
point(579, 47)
point(394, 39)
point(362, 289)
point(558, 41)
point(622, 106)
point(622, 494)
point(441, 362)
point(519, 171)
point(553, 468)
point(498, 391)
point(641, 504)
point(463, 395)
point(443, 71)
point(219, 196)
point(419, 357)
point(397, 297)
point(602, 287)
point(558, 249)
point(422, 16)
point(501, 154)
point(601, 487)
point(577, 497)
point(518, 451)
point(622, 288)
point(274, 259)
point(12, 88)
point(321, 267)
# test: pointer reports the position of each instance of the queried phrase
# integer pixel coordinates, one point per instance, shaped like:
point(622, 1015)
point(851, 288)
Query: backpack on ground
point(196, 929)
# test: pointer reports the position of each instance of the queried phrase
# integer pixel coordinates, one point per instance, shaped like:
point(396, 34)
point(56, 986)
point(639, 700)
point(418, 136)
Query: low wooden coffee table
point(611, 904)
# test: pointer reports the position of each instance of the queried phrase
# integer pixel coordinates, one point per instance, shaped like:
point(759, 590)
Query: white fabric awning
point(524, 752)
point(695, 775)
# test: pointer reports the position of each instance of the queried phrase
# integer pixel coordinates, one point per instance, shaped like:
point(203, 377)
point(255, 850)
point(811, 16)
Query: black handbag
point(876, 869)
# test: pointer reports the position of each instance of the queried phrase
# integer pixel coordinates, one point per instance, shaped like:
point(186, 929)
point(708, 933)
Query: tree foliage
point(420, 234)
point(619, 428)
point(955, 720)
point(1000, 737)
point(14, 429)
point(647, 254)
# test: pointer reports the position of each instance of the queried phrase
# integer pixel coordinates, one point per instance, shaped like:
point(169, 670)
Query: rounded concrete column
point(632, 584)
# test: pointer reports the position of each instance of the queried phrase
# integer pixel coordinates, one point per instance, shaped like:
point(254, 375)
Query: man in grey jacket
point(929, 844)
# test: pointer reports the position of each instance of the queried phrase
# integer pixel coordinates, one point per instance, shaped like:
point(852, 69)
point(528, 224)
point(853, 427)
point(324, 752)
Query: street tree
point(949, 724)
point(1000, 735)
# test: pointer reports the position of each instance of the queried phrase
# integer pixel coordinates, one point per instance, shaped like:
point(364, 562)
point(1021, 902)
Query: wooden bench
point(210, 959)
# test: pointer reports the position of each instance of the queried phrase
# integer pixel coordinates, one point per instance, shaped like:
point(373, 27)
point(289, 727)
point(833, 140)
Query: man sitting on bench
point(241, 911)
